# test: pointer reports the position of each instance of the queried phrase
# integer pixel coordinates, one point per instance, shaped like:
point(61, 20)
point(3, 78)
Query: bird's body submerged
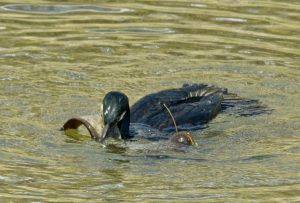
point(191, 106)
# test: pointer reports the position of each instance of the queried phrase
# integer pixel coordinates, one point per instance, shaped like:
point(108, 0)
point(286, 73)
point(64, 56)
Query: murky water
point(58, 59)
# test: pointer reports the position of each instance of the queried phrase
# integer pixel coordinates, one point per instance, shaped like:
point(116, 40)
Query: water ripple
point(56, 9)
point(188, 196)
point(199, 5)
point(24, 54)
point(141, 30)
point(235, 20)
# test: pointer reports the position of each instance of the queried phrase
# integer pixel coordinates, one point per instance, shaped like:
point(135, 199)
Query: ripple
point(24, 54)
point(259, 157)
point(55, 9)
point(14, 179)
point(74, 75)
point(106, 50)
point(199, 5)
point(10, 102)
point(235, 20)
point(188, 196)
point(109, 186)
point(151, 46)
point(134, 30)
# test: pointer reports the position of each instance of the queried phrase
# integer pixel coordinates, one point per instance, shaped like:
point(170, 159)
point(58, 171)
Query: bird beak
point(104, 134)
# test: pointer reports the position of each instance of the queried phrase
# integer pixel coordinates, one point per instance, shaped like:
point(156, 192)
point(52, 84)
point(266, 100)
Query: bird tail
point(234, 105)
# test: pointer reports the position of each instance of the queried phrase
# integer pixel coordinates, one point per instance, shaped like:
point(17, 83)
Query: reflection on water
point(58, 59)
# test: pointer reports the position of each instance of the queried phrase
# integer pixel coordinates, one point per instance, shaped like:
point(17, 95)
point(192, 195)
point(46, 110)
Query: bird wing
point(190, 105)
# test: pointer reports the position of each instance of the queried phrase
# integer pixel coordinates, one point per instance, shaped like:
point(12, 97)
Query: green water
point(59, 58)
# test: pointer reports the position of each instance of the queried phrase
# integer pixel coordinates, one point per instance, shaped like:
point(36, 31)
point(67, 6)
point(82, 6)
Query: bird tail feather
point(234, 105)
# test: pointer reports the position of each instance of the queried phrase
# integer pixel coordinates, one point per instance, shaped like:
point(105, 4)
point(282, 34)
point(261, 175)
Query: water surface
point(59, 58)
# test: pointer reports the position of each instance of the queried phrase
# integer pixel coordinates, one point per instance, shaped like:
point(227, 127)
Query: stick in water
point(171, 117)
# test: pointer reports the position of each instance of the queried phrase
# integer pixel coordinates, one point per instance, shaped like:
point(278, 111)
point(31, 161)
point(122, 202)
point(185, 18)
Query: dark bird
point(192, 107)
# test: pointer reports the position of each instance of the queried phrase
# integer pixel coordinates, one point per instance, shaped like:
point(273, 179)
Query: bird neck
point(123, 125)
